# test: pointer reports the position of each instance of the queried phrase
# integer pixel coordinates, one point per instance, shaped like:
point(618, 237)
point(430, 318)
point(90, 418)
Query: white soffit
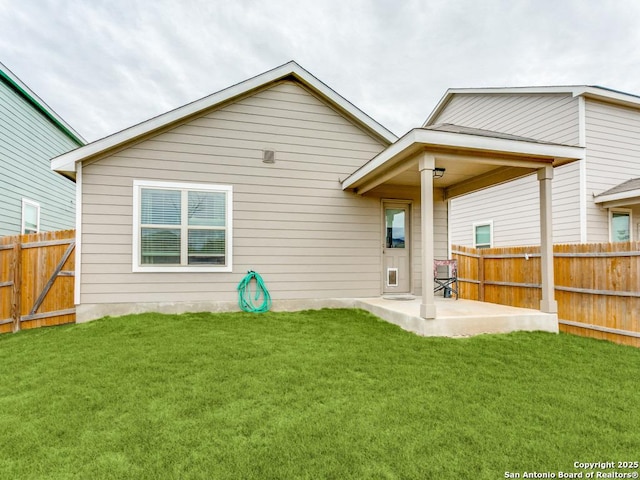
point(66, 162)
point(419, 138)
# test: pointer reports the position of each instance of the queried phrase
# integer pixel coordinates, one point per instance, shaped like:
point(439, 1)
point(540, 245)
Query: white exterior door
point(395, 253)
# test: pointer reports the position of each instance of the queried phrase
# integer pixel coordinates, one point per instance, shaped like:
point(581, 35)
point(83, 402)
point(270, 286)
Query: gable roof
point(588, 91)
point(14, 83)
point(66, 163)
point(621, 194)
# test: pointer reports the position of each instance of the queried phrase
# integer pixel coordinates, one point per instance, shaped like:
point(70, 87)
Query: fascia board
point(574, 91)
point(66, 162)
point(611, 96)
point(40, 104)
point(427, 138)
point(629, 194)
point(438, 108)
point(497, 145)
point(341, 102)
point(383, 157)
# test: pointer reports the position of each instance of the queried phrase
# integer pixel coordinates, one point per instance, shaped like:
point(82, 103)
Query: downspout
point(582, 165)
point(78, 260)
point(448, 204)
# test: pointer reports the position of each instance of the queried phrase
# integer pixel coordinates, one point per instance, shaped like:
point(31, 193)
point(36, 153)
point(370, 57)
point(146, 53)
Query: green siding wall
point(28, 141)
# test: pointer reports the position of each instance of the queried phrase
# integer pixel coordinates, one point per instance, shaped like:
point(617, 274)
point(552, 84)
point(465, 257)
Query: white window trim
point(31, 203)
point(620, 210)
point(482, 224)
point(135, 260)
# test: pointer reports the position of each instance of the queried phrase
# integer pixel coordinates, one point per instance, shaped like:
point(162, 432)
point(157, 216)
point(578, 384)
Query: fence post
point(16, 297)
point(480, 274)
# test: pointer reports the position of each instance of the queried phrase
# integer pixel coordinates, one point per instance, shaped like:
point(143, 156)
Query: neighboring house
point(595, 200)
point(32, 197)
point(281, 175)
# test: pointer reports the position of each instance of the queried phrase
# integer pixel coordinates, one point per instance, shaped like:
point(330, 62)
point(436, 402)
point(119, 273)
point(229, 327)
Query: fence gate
point(37, 280)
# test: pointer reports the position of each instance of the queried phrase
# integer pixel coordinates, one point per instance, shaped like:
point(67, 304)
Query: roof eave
point(446, 98)
point(30, 96)
point(611, 96)
point(423, 139)
point(617, 197)
point(66, 162)
point(342, 103)
point(597, 93)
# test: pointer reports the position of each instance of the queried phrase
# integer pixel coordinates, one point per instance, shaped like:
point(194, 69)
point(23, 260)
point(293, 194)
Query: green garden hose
point(245, 301)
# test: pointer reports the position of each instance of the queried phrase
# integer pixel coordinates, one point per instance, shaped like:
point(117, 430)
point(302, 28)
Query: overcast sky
point(106, 65)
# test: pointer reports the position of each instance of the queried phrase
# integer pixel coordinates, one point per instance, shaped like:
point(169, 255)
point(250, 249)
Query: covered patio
point(456, 161)
point(457, 318)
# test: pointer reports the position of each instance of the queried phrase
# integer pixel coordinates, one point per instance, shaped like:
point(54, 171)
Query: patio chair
point(446, 281)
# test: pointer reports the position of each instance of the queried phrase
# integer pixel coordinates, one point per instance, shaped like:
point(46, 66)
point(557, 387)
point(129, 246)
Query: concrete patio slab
point(458, 318)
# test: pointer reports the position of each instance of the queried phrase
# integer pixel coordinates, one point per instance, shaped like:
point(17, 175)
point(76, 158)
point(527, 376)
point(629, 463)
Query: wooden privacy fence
point(597, 285)
point(37, 280)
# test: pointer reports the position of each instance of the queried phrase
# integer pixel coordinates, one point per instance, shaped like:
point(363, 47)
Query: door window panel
point(394, 228)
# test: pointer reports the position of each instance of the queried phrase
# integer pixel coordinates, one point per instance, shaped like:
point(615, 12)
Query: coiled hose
point(245, 300)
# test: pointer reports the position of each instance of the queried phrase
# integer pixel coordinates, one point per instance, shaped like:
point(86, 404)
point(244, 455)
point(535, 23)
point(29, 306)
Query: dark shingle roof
point(629, 185)
point(451, 128)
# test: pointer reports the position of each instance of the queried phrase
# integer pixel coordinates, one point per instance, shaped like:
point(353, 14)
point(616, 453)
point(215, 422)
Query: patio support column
point(548, 303)
point(426, 166)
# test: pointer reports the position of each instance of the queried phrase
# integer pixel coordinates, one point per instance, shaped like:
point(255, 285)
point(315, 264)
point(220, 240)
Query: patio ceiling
point(473, 159)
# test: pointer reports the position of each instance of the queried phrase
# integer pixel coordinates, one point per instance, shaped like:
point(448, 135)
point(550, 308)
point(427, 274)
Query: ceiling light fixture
point(438, 172)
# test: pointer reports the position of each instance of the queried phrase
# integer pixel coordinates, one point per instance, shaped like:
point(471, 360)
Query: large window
point(181, 227)
point(30, 216)
point(483, 234)
point(620, 225)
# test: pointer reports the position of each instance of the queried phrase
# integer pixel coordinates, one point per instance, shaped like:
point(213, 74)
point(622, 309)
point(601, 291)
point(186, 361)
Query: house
point(32, 197)
point(596, 199)
point(281, 175)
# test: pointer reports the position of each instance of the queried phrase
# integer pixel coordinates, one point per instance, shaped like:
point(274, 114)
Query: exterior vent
point(268, 156)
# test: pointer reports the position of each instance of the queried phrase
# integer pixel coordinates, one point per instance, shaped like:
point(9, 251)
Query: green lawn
point(317, 394)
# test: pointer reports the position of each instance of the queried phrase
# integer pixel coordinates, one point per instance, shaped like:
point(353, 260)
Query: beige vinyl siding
point(566, 203)
point(613, 156)
point(548, 117)
point(514, 209)
point(292, 223)
point(516, 225)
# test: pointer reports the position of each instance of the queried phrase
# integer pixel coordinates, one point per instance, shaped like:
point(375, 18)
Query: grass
point(316, 394)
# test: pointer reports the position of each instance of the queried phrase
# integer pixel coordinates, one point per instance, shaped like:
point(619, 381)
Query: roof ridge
point(65, 163)
point(18, 86)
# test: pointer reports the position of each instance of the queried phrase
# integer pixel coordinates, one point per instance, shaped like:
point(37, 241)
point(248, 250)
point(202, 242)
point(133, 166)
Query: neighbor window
point(30, 216)
point(483, 234)
point(181, 227)
point(620, 225)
